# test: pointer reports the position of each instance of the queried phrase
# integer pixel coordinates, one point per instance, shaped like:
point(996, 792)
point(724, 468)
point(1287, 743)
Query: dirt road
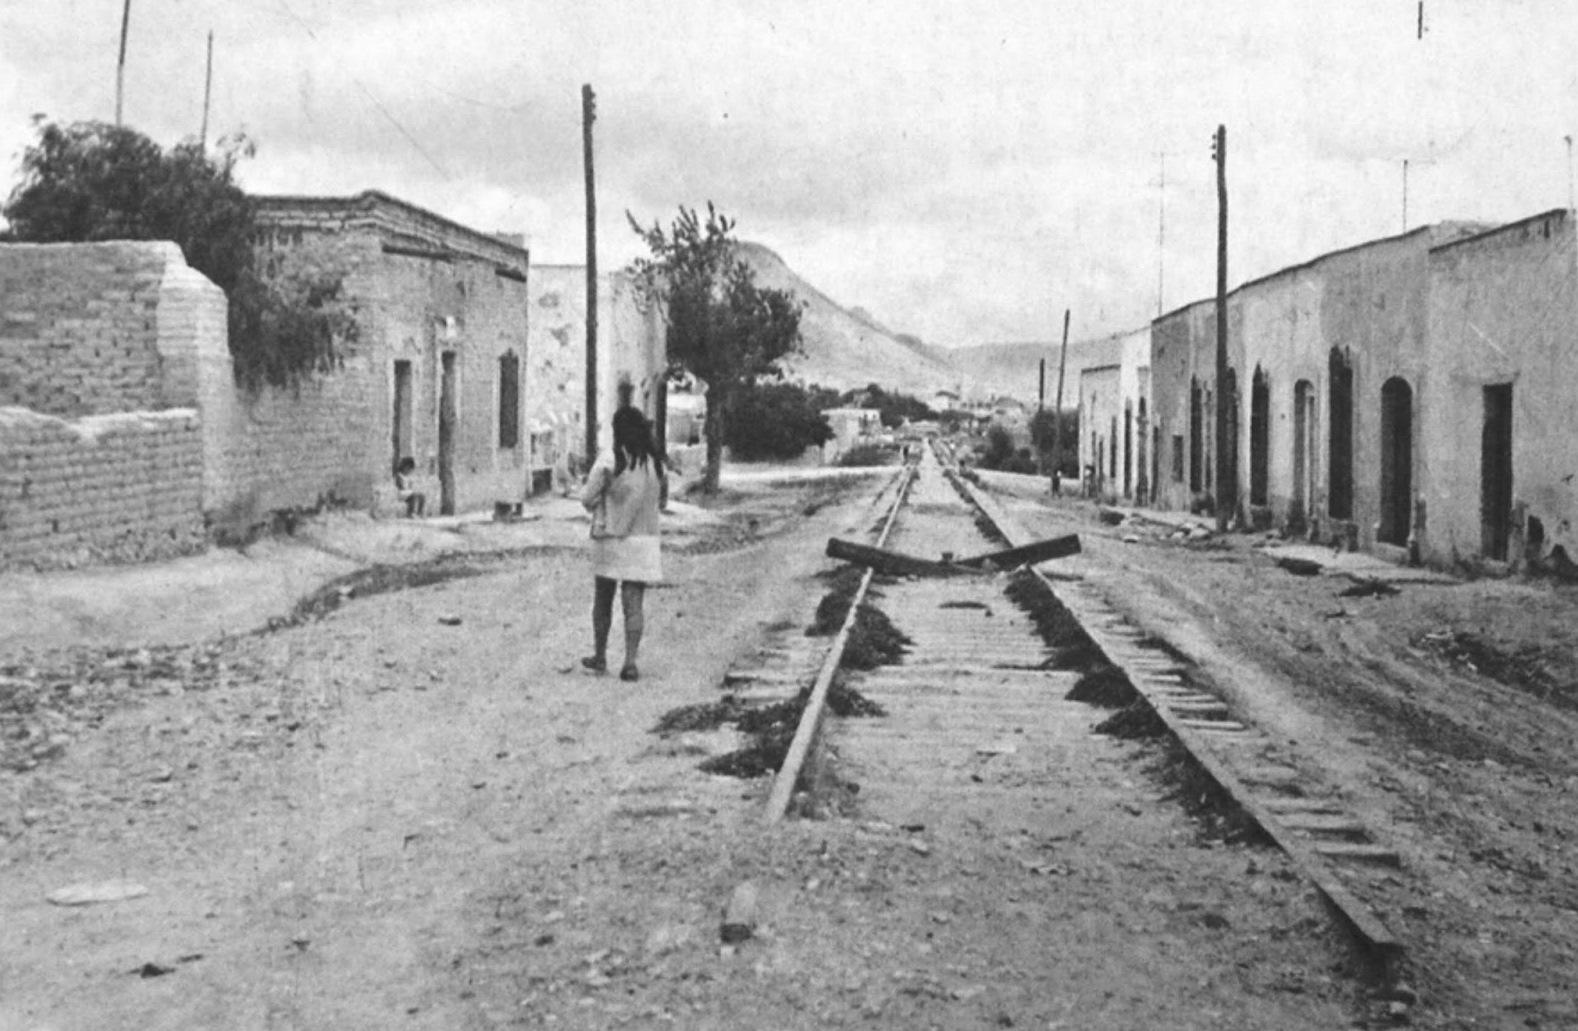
point(416, 811)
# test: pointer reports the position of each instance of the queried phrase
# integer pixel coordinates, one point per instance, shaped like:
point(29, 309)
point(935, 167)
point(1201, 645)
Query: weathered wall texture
point(631, 347)
point(1503, 313)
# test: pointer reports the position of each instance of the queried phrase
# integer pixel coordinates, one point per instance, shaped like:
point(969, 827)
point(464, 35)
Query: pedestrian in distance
point(415, 502)
point(622, 493)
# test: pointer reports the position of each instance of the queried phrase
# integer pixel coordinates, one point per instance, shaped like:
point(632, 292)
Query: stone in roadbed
point(89, 893)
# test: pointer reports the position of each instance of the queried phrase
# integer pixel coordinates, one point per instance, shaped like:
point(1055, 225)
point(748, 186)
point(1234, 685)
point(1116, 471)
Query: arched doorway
point(1303, 448)
point(1397, 461)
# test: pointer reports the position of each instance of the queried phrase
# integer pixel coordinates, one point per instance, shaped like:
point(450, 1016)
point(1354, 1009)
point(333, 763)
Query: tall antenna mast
point(1161, 234)
point(120, 64)
point(208, 86)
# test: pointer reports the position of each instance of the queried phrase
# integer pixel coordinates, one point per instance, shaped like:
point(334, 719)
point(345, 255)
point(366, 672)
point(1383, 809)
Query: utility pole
point(1041, 407)
point(1226, 488)
point(120, 64)
point(208, 88)
point(588, 116)
point(1405, 195)
point(1057, 413)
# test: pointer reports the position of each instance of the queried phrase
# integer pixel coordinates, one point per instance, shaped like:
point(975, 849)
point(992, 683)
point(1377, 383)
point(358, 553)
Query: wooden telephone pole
point(1226, 486)
point(588, 116)
point(1057, 413)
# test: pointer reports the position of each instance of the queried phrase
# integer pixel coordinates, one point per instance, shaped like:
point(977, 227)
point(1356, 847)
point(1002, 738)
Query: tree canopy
point(722, 327)
point(91, 181)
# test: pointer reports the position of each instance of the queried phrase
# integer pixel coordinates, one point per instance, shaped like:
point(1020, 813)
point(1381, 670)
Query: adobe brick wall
point(121, 487)
point(79, 326)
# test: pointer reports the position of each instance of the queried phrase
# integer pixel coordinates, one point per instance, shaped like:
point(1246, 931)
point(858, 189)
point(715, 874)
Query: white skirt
point(627, 558)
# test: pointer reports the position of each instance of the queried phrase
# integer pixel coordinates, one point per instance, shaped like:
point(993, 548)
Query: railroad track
point(978, 701)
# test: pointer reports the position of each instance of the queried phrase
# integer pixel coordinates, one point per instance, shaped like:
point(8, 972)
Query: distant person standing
point(623, 493)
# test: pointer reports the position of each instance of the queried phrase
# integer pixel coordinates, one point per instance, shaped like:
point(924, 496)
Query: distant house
point(851, 427)
point(1116, 443)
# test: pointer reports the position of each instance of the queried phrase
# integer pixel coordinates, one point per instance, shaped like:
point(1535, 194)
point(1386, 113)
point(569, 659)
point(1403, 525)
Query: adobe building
point(1183, 407)
point(1494, 407)
point(1115, 436)
point(1324, 361)
point(436, 372)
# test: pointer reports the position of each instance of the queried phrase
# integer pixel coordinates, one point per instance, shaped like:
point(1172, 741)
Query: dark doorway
point(1112, 452)
point(1495, 472)
point(1303, 447)
point(1397, 461)
point(1142, 460)
point(1128, 451)
point(400, 425)
point(1196, 428)
point(1340, 439)
point(1259, 438)
point(447, 420)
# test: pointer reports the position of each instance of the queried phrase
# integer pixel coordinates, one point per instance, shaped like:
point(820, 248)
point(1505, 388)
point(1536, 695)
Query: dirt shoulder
point(1446, 713)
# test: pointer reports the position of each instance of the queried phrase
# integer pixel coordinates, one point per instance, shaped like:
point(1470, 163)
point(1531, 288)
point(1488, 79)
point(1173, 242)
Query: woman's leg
point(632, 594)
point(602, 621)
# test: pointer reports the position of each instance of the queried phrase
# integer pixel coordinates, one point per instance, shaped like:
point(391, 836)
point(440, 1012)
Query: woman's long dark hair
point(632, 440)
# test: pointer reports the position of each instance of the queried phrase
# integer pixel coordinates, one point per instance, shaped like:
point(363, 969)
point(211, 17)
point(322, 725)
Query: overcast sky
point(964, 170)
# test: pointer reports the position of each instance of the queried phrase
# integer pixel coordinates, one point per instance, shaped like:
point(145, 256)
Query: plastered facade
point(1503, 312)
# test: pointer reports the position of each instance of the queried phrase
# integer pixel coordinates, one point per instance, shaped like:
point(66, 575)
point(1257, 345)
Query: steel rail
point(1373, 934)
point(811, 718)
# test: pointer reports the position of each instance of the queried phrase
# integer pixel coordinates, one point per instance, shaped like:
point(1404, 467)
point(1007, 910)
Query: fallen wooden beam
point(893, 563)
point(890, 563)
point(1026, 554)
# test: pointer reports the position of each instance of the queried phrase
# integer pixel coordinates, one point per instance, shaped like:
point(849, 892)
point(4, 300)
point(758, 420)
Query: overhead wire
point(368, 93)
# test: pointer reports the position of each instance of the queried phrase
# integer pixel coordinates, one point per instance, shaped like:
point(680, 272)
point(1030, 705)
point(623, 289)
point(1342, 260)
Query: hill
point(847, 348)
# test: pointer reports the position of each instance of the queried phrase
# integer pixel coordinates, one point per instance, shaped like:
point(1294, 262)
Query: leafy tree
point(90, 181)
point(775, 420)
point(722, 327)
point(1042, 437)
point(894, 407)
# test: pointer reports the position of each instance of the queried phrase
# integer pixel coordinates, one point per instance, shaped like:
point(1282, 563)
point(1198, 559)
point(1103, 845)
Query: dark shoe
point(629, 673)
point(595, 664)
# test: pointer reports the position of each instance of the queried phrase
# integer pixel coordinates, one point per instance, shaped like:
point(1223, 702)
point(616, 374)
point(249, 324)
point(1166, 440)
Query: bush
point(774, 421)
point(864, 455)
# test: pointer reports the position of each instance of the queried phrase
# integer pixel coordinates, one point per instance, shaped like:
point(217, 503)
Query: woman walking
point(623, 493)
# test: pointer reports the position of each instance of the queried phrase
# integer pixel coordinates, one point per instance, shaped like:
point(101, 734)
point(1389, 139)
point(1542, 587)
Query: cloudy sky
point(964, 170)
